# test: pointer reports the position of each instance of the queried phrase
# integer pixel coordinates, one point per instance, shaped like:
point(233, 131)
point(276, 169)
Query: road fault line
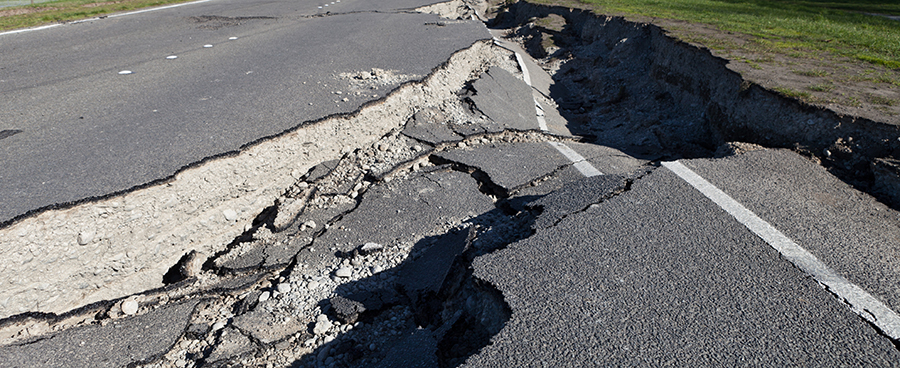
point(581, 163)
point(859, 300)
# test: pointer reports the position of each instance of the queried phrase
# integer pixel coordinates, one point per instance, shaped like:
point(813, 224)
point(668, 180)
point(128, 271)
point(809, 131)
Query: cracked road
point(243, 71)
point(475, 229)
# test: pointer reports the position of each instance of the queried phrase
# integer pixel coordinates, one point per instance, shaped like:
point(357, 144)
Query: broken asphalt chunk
point(574, 197)
point(403, 210)
point(426, 273)
point(319, 171)
point(347, 310)
point(232, 343)
point(119, 343)
point(510, 165)
point(416, 350)
point(505, 99)
point(430, 126)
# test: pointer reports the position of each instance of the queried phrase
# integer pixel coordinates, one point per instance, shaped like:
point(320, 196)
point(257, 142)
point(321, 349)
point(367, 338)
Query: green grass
point(880, 100)
point(853, 101)
point(797, 28)
point(812, 73)
point(824, 87)
point(68, 10)
point(874, 77)
point(805, 96)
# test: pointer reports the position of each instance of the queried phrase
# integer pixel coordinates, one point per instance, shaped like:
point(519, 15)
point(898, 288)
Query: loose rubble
point(312, 270)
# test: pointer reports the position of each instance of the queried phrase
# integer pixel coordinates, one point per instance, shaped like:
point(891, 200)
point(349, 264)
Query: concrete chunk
point(266, 327)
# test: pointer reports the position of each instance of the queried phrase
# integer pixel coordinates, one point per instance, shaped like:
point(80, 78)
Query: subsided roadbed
point(276, 235)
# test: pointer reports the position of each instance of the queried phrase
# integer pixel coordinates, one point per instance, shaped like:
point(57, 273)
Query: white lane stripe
point(159, 8)
point(583, 166)
point(860, 301)
point(30, 29)
point(542, 123)
point(98, 18)
point(539, 113)
point(525, 74)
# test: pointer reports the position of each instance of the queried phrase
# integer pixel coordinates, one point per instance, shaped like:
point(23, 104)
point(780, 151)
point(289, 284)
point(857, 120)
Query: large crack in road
point(357, 240)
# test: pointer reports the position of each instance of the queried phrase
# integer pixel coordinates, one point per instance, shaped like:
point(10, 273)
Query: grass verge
point(857, 29)
point(838, 53)
point(68, 10)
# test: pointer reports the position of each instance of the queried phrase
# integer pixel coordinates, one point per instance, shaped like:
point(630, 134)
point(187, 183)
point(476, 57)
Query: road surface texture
point(471, 213)
point(87, 131)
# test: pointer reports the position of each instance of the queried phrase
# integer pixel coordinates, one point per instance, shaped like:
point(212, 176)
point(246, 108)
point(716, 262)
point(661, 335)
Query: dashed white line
point(860, 301)
point(583, 166)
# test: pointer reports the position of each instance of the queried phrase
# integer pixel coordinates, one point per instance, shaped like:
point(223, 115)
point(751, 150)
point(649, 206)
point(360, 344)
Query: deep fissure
point(609, 99)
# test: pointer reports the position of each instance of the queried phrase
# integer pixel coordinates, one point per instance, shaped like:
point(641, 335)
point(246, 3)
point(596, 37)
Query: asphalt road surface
point(243, 70)
point(504, 241)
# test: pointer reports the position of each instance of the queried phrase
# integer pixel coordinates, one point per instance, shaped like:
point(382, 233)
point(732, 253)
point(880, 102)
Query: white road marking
point(539, 113)
point(98, 18)
point(583, 166)
point(542, 123)
point(125, 72)
point(172, 57)
point(155, 9)
point(860, 301)
point(580, 163)
point(525, 74)
point(30, 29)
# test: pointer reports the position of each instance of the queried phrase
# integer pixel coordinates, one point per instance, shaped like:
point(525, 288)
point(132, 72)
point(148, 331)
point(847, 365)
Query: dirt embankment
point(679, 100)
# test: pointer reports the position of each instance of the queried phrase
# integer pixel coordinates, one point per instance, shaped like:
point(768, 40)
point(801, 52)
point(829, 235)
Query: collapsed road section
point(638, 89)
point(57, 260)
point(490, 214)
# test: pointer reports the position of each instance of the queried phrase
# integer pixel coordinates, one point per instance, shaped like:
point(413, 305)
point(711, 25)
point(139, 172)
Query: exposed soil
point(626, 85)
point(843, 85)
point(662, 95)
point(825, 80)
